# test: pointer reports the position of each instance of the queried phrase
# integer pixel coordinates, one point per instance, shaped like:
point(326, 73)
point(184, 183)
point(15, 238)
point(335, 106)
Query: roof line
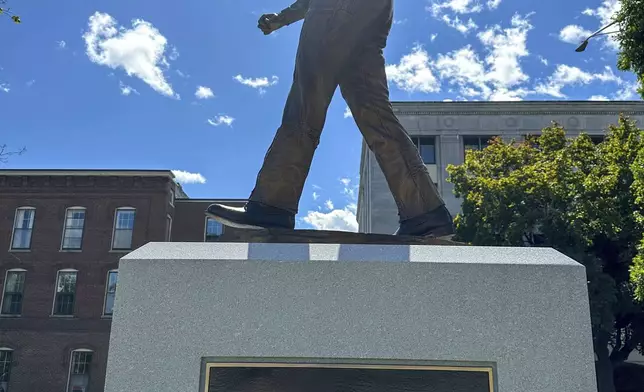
point(87, 172)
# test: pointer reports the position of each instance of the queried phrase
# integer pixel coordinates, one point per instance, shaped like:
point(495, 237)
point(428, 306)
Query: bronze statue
point(341, 44)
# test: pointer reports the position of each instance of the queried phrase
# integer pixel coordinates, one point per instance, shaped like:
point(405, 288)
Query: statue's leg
point(364, 87)
point(328, 38)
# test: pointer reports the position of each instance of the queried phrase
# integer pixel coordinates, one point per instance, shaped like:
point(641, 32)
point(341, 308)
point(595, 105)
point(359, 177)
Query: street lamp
point(584, 44)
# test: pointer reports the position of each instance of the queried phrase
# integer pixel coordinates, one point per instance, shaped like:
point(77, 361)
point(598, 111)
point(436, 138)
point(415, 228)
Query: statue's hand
point(269, 23)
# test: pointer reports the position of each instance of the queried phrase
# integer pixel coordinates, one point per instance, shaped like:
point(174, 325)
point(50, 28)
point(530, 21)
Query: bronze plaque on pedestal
point(341, 377)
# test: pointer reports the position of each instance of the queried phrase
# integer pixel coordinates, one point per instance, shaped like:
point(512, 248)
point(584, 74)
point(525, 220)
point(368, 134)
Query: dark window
point(65, 293)
point(5, 369)
point(14, 287)
point(23, 227)
point(477, 143)
point(214, 230)
point(79, 371)
point(110, 292)
point(73, 230)
point(427, 149)
point(123, 229)
point(597, 138)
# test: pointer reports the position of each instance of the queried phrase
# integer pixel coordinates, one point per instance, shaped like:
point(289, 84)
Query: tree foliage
point(581, 198)
point(5, 11)
point(631, 39)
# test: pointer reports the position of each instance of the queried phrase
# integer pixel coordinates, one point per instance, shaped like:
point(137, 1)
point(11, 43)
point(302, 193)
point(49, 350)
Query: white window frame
point(62, 238)
point(12, 352)
point(107, 281)
point(4, 287)
point(53, 304)
point(168, 231)
point(13, 229)
point(116, 213)
point(71, 363)
point(205, 229)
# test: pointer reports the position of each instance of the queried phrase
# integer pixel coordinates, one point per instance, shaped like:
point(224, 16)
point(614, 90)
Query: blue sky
point(194, 86)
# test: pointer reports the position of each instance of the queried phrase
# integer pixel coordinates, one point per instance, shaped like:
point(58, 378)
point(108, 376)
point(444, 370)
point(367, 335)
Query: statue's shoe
point(253, 216)
point(436, 223)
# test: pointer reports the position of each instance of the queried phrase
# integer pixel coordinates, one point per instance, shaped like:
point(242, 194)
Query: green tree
point(631, 39)
point(4, 10)
point(581, 198)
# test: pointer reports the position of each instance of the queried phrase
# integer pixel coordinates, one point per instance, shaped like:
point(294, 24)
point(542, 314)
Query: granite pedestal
point(187, 314)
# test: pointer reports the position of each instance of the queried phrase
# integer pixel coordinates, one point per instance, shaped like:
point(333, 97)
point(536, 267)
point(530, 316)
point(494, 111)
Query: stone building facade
point(62, 234)
point(444, 130)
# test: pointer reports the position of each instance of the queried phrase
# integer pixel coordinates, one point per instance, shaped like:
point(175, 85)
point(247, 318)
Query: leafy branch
point(5, 153)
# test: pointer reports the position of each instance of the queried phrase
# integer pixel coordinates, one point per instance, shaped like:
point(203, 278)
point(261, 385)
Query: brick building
point(62, 234)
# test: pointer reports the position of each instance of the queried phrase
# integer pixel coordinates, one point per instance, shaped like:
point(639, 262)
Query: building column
point(450, 153)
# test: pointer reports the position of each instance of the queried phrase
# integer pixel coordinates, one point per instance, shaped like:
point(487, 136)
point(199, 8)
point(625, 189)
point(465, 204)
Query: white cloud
point(127, 90)
point(574, 34)
point(139, 51)
point(204, 92)
point(604, 13)
point(627, 92)
point(413, 73)
point(506, 47)
point(543, 60)
point(457, 6)
point(184, 177)
point(221, 119)
point(493, 4)
point(463, 27)
point(432, 38)
point(61, 44)
point(598, 98)
point(347, 113)
point(260, 83)
point(349, 190)
point(5, 87)
point(565, 75)
point(183, 75)
point(400, 21)
point(341, 219)
point(497, 77)
point(316, 196)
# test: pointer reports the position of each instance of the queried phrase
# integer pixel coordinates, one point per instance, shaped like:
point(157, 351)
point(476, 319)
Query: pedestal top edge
point(167, 251)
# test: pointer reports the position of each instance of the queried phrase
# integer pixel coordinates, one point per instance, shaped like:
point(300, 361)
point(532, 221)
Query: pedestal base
point(519, 317)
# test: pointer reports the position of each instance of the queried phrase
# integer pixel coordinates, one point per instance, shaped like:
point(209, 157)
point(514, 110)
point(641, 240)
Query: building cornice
point(629, 108)
point(88, 172)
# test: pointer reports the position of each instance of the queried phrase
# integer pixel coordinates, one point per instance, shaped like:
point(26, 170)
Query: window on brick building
point(65, 296)
point(14, 287)
point(80, 370)
point(110, 292)
point(23, 226)
point(123, 228)
point(6, 355)
point(213, 231)
point(427, 148)
point(477, 143)
point(73, 228)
